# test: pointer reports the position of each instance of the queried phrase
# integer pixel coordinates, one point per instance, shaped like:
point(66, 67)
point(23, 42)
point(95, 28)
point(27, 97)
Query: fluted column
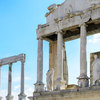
point(0, 84)
point(83, 78)
point(9, 96)
point(22, 96)
point(60, 83)
point(39, 86)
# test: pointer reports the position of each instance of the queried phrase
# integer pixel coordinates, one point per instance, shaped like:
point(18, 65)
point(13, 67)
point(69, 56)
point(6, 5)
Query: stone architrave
point(9, 61)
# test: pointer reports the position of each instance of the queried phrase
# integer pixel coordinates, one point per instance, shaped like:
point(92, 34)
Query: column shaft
point(83, 51)
point(83, 78)
point(0, 84)
point(22, 77)
point(39, 86)
point(10, 80)
point(9, 96)
point(40, 62)
point(60, 56)
point(60, 83)
point(22, 96)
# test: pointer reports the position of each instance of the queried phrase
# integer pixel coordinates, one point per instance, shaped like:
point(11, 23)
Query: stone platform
point(90, 93)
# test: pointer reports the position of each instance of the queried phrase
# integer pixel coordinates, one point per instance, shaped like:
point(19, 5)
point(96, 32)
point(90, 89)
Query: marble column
point(0, 84)
point(83, 78)
point(39, 86)
point(22, 96)
point(9, 96)
point(60, 83)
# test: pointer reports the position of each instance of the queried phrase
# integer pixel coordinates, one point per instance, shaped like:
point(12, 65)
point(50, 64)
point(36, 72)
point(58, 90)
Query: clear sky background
point(18, 22)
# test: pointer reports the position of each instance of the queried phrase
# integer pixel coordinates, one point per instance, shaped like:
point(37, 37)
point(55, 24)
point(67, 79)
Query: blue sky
point(18, 22)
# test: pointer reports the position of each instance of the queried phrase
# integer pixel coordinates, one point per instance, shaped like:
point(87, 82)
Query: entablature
point(70, 24)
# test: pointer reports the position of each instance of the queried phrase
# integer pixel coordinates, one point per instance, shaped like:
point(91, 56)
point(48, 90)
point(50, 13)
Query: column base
point(96, 83)
point(39, 87)
point(0, 98)
point(22, 96)
point(9, 97)
point(60, 84)
point(83, 81)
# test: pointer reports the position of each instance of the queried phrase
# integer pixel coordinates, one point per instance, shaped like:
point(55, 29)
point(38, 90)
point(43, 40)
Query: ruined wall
point(53, 60)
point(75, 95)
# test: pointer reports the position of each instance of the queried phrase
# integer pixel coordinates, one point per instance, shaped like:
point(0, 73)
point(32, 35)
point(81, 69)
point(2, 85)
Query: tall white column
point(83, 79)
point(39, 86)
point(0, 84)
point(60, 56)
point(22, 96)
point(9, 96)
point(60, 83)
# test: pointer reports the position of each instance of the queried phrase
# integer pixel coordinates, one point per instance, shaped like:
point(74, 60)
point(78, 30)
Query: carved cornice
point(42, 26)
point(52, 8)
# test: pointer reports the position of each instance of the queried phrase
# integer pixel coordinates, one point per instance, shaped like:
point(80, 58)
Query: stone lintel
point(12, 59)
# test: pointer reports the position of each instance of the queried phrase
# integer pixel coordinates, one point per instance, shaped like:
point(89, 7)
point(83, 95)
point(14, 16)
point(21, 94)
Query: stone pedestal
point(9, 97)
point(60, 84)
point(39, 87)
point(83, 81)
point(22, 97)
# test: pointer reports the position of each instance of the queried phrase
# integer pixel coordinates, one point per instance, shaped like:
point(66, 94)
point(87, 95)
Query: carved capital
point(82, 24)
point(23, 59)
point(10, 64)
point(59, 32)
point(40, 38)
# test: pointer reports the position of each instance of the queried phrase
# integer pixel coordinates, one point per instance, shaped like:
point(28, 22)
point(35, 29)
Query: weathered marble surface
point(53, 61)
point(50, 79)
point(91, 67)
point(71, 13)
point(39, 86)
point(83, 78)
point(94, 67)
point(92, 93)
point(12, 59)
point(9, 61)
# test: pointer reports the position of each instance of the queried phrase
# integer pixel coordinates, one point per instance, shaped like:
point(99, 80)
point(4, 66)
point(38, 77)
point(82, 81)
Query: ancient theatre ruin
point(65, 22)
